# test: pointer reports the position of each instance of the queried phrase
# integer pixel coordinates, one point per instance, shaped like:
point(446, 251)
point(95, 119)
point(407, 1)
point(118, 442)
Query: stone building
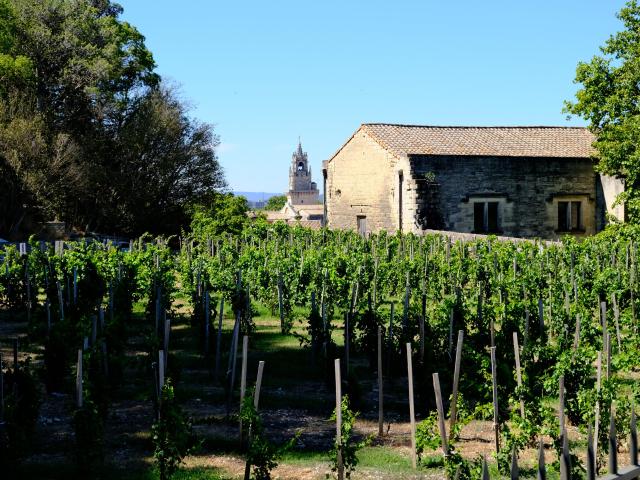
point(302, 190)
point(303, 205)
point(512, 181)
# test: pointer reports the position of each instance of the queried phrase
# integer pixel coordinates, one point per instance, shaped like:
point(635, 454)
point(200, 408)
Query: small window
point(569, 216)
point(300, 166)
point(362, 225)
point(485, 217)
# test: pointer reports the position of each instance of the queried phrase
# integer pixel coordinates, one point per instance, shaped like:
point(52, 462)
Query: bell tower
point(302, 191)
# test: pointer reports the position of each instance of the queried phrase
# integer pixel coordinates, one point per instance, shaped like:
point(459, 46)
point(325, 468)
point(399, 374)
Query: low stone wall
point(470, 237)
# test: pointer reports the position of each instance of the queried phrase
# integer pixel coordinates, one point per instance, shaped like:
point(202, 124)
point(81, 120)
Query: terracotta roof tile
point(566, 142)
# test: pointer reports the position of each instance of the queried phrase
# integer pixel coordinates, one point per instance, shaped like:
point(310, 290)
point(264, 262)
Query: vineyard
point(226, 357)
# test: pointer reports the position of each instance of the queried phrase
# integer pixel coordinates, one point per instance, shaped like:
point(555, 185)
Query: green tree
point(222, 213)
point(276, 202)
point(14, 69)
point(165, 161)
point(88, 133)
point(608, 100)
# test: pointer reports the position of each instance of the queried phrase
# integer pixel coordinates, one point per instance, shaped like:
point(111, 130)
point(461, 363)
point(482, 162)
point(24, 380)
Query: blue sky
point(266, 72)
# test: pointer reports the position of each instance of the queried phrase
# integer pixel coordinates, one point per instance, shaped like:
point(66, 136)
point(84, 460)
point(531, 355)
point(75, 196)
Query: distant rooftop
point(538, 141)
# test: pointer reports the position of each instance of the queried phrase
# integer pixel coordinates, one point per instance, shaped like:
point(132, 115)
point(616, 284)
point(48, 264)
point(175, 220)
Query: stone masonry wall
point(527, 189)
point(361, 180)
point(608, 189)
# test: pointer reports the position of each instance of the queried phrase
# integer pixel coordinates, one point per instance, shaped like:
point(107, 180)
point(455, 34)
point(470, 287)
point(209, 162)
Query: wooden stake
point(346, 345)
point(485, 469)
point(48, 307)
point(243, 375)
point(339, 418)
point(603, 322)
point(613, 444)
point(423, 319)
point(233, 356)
point(494, 381)
point(280, 302)
point(514, 471)
point(161, 361)
point(542, 470)
point(380, 385)
point(390, 338)
point(597, 415)
point(541, 316)
point(256, 398)
point(516, 351)
point(492, 330)
point(576, 337)
point(608, 352)
point(60, 300)
point(456, 381)
point(443, 430)
point(591, 457)
point(526, 327)
point(561, 404)
point(616, 318)
point(633, 442)
point(256, 394)
point(207, 321)
point(565, 457)
point(411, 407)
point(79, 380)
point(219, 340)
point(450, 350)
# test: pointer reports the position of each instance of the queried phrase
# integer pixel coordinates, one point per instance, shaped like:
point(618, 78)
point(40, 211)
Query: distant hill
point(257, 196)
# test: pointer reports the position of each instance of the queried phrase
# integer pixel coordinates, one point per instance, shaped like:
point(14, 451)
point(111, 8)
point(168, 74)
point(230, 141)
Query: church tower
point(302, 191)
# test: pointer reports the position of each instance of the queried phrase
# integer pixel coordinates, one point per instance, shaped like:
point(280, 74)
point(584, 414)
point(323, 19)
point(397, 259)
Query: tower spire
point(301, 188)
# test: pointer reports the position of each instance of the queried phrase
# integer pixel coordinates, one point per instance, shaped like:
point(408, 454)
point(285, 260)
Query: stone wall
point(311, 197)
point(527, 190)
point(607, 192)
point(473, 237)
point(361, 181)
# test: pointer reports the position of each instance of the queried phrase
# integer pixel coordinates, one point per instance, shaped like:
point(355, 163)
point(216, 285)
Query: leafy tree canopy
point(223, 213)
point(609, 99)
point(276, 202)
point(88, 132)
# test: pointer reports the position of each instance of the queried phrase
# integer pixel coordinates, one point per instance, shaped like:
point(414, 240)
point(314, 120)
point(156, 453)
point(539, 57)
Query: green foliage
point(276, 202)
point(89, 433)
point(14, 69)
point(223, 214)
point(171, 434)
point(262, 455)
point(346, 446)
point(466, 286)
point(428, 435)
point(607, 100)
point(94, 138)
point(22, 404)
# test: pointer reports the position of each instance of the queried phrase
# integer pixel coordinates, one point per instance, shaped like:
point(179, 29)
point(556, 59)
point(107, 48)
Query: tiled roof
point(566, 142)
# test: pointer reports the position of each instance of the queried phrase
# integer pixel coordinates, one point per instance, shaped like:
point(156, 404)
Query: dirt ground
point(127, 438)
